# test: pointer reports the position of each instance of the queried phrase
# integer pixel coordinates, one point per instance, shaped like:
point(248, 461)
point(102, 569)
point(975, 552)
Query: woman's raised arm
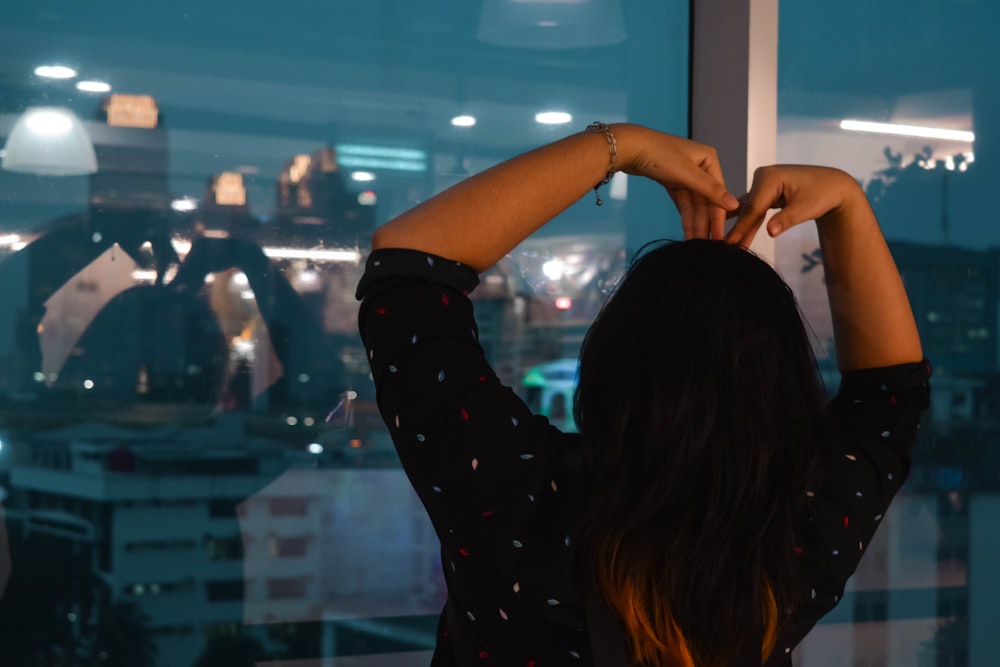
point(484, 217)
point(872, 321)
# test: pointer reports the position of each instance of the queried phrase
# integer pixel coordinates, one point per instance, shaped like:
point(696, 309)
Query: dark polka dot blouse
point(503, 487)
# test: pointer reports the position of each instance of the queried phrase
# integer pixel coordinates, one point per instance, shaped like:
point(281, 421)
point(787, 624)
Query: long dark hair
point(704, 419)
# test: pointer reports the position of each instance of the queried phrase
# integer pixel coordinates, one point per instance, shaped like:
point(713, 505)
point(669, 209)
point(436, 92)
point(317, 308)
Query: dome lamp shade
point(49, 141)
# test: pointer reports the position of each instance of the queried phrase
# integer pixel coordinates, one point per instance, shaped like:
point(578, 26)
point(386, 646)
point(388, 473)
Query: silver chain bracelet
point(598, 127)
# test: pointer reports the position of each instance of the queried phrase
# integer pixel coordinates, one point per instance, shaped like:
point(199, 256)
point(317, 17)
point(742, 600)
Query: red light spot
point(465, 414)
point(463, 551)
point(846, 522)
point(483, 655)
point(797, 550)
point(355, 443)
point(564, 303)
point(488, 513)
point(444, 299)
point(380, 311)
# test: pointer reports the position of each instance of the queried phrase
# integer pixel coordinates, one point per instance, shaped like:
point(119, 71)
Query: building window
point(223, 508)
point(224, 548)
point(286, 587)
point(224, 590)
point(288, 547)
point(289, 506)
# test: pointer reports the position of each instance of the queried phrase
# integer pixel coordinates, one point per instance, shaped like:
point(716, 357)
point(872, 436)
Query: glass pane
point(903, 96)
point(192, 468)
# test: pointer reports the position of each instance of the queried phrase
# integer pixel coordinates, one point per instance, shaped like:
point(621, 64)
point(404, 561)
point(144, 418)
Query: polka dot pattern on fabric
point(488, 471)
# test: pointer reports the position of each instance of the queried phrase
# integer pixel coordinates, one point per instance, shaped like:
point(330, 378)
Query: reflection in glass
point(914, 124)
point(193, 469)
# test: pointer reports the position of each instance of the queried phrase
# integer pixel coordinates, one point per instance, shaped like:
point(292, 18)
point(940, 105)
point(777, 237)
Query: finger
point(788, 217)
point(717, 222)
point(702, 217)
point(751, 217)
point(711, 219)
point(709, 185)
point(682, 200)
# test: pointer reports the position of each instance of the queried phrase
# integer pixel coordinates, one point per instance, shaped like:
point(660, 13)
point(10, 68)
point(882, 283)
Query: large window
point(191, 466)
point(903, 96)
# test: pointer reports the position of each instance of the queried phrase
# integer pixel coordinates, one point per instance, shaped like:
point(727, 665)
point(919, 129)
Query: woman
point(712, 506)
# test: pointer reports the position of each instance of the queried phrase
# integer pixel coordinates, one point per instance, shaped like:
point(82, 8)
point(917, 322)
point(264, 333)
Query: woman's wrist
point(628, 140)
point(853, 204)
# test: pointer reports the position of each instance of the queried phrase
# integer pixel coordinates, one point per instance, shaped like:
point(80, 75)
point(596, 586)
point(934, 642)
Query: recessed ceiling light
point(55, 72)
point(93, 86)
point(553, 117)
point(463, 121)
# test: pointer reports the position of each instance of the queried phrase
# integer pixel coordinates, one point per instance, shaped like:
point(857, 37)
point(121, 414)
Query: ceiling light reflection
point(183, 246)
point(553, 117)
point(463, 121)
point(184, 204)
point(93, 86)
point(55, 72)
point(319, 255)
point(907, 130)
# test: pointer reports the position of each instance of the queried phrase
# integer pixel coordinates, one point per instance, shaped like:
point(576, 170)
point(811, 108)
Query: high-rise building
point(211, 529)
point(313, 202)
point(954, 293)
point(133, 162)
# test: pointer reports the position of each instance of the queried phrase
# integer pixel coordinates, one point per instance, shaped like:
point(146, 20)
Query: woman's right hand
point(802, 193)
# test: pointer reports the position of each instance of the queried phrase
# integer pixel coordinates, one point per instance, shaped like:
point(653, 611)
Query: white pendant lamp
point(49, 141)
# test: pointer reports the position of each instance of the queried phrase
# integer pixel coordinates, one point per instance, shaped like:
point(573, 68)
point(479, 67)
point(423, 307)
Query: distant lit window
point(131, 111)
point(224, 548)
point(229, 189)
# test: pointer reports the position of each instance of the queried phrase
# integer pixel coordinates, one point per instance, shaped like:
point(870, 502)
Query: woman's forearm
point(484, 217)
point(872, 320)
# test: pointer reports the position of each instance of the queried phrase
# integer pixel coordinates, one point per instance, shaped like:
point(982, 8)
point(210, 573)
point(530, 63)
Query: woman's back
point(710, 493)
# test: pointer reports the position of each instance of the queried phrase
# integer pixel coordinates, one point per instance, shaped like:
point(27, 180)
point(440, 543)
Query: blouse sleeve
point(875, 415)
point(469, 445)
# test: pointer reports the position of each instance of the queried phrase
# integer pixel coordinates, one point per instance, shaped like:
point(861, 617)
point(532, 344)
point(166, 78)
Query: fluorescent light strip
point(380, 151)
point(183, 247)
point(908, 130)
point(354, 161)
point(327, 255)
